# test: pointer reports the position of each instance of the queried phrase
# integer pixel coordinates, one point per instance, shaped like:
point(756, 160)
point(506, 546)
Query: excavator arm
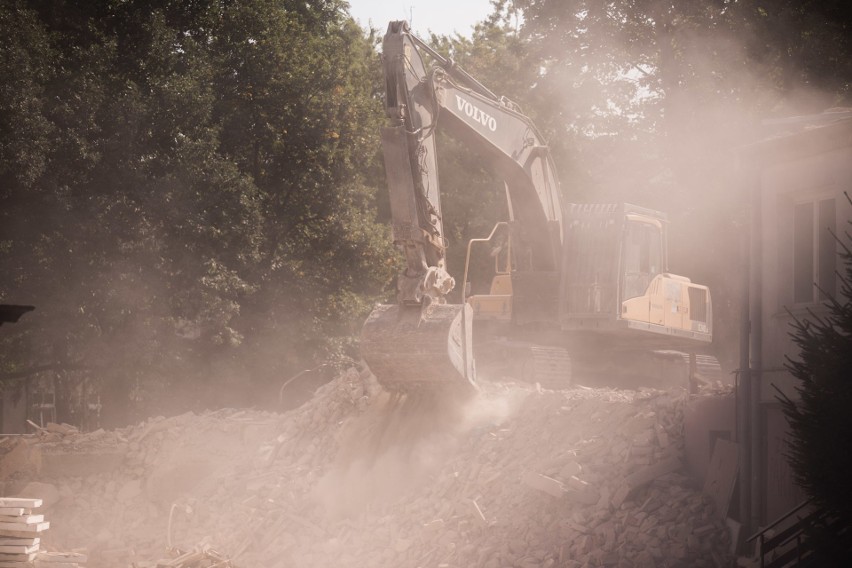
point(421, 98)
point(423, 342)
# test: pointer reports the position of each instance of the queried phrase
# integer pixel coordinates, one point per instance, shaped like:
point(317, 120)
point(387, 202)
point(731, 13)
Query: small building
point(798, 177)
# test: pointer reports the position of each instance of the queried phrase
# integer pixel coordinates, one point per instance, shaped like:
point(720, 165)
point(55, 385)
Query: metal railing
point(790, 546)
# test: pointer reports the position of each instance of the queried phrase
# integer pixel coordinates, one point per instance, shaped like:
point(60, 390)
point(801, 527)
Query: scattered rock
point(516, 477)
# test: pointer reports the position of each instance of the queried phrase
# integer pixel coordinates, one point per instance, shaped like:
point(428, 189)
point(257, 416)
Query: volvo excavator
point(573, 283)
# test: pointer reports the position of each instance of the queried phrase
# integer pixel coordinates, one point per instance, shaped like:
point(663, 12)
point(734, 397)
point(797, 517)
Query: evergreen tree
point(821, 421)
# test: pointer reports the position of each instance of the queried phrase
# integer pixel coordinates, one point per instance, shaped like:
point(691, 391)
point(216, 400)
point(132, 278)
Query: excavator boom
point(421, 342)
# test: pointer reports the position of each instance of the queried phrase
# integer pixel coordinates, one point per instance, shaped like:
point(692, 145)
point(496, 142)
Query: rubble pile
point(518, 476)
point(205, 558)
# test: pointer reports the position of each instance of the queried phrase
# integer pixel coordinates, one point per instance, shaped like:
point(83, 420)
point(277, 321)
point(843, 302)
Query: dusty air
point(279, 290)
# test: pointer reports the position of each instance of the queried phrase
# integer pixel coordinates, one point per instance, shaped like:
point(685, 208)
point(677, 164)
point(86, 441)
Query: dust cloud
point(662, 124)
point(402, 441)
point(519, 475)
point(355, 464)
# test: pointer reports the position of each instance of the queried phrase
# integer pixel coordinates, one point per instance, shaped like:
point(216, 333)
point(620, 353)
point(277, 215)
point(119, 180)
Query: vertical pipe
point(756, 375)
point(743, 393)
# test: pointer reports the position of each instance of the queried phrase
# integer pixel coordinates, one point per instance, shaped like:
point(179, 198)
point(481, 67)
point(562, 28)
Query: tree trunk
point(62, 383)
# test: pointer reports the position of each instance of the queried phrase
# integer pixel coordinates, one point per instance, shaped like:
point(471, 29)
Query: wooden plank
point(15, 564)
point(23, 527)
point(20, 502)
point(27, 541)
point(12, 557)
point(6, 533)
point(25, 519)
point(57, 557)
point(18, 548)
point(721, 475)
point(14, 511)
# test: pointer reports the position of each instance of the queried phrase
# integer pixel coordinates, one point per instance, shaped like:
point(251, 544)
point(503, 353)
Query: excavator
point(575, 286)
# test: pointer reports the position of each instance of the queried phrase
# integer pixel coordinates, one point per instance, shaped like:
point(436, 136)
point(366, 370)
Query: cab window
point(642, 258)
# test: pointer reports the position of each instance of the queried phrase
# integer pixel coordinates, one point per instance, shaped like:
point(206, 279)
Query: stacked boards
point(20, 537)
point(19, 531)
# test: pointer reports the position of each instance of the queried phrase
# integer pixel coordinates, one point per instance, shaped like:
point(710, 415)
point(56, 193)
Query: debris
point(515, 478)
point(722, 475)
point(643, 477)
point(477, 513)
point(543, 483)
point(36, 427)
point(52, 559)
point(63, 429)
point(581, 492)
point(195, 559)
point(20, 458)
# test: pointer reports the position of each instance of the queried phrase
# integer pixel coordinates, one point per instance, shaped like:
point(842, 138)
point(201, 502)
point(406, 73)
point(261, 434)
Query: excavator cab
point(642, 255)
point(615, 278)
point(496, 305)
point(652, 296)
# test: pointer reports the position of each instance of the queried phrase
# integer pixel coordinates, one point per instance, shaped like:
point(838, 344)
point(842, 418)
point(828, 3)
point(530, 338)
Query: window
point(814, 251)
point(643, 254)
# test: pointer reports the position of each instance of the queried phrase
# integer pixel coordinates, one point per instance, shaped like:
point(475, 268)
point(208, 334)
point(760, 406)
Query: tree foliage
point(184, 193)
point(802, 46)
point(187, 189)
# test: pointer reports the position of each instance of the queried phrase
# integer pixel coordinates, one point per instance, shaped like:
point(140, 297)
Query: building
point(797, 178)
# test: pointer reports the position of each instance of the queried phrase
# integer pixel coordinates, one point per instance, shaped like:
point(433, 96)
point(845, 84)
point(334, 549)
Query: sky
point(443, 17)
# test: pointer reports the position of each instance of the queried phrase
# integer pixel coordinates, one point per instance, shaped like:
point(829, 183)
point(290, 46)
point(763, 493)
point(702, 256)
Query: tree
point(184, 195)
point(802, 47)
point(298, 111)
point(821, 422)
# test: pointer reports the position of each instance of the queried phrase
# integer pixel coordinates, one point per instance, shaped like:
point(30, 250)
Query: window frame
point(815, 201)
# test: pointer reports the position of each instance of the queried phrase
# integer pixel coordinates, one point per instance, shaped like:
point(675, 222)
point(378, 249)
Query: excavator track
point(548, 366)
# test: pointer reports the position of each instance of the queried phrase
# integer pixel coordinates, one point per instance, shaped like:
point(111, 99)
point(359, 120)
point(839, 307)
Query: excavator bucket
point(409, 348)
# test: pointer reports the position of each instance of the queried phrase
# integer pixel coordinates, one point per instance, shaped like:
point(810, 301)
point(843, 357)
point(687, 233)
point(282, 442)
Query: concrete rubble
point(519, 476)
